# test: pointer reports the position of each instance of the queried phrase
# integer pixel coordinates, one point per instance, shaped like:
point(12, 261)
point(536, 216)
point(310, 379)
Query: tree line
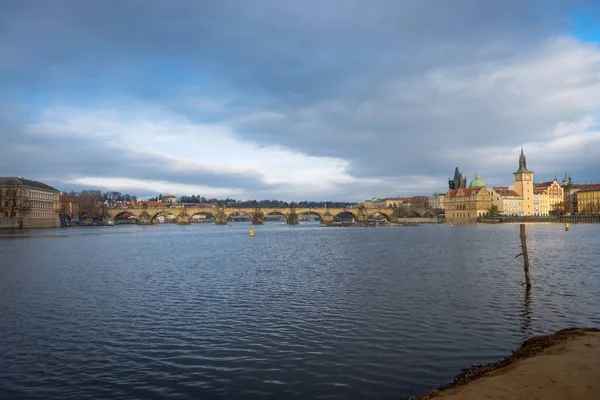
point(229, 202)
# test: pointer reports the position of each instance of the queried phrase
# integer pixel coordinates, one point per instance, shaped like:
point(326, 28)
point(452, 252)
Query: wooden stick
point(525, 255)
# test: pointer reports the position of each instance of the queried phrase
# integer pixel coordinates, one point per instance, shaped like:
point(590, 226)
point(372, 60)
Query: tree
point(561, 208)
point(90, 204)
point(15, 199)
point(494, 212)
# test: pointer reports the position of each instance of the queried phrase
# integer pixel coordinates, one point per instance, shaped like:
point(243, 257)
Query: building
point(547, 197)
point(28, 204)
point(570, 191)
point(508, 201)
point(588, 199)
point(523, 185)
point(465, 205)
point(436, 202)
point(457, 182)
point(170, 199)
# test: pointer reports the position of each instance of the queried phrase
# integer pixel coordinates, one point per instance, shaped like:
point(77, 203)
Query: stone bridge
point(147, 215)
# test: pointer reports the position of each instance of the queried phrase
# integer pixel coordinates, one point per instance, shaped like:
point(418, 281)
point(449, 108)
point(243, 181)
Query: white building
point(436, 201)
point(508, 201)
point(28, 204)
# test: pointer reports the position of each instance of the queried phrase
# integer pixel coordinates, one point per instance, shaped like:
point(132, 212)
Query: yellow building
point(523, 185)
point(588, 199)
point(28, 204)
point(508, 201)
point(465, 205)
point(547, 196)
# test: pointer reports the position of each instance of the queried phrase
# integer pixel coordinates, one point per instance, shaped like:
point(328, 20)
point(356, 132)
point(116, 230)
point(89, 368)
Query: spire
point(522, 160)
point(522, 163)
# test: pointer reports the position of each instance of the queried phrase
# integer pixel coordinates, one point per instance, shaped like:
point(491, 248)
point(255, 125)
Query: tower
point(458, 182)
point(523, 184)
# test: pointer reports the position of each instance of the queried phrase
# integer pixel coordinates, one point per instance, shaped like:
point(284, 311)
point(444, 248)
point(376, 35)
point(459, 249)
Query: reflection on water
point(203, 311)
point(526, 323)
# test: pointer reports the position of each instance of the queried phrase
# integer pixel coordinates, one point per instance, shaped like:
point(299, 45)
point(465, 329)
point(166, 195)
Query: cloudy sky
point(297, 100)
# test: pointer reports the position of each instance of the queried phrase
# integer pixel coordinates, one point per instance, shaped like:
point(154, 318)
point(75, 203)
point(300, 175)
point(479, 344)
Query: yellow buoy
point(566, 226)
point(251, 233)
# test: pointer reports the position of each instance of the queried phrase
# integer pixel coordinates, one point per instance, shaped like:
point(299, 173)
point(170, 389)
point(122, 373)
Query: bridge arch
point(207, 214)
point(270, 213)
point(164, 213)
point(376, 214)
point(345, 216)
point(313, 213)
point(239, 213)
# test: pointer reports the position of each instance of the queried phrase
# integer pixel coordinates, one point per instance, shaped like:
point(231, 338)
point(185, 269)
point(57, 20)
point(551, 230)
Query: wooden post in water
point(525, 256)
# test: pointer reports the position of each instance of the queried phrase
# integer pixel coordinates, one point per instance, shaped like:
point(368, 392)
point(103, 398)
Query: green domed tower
point(476, 182)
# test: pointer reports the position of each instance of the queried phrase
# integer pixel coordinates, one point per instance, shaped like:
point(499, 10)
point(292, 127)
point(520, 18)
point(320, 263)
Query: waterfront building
point(547, 197)
point(570, 191)
point(588, 199)
point(523, 185)
point(170, 199)
point(28, 204)
point(465, 205)
point(436, 202)
point(508, 201)
point(458, 181)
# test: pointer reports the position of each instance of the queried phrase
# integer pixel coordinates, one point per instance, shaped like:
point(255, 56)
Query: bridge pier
point(221, 219)
point(183, 219)
point(144, 219)
point(258, 218)
point(292, 218)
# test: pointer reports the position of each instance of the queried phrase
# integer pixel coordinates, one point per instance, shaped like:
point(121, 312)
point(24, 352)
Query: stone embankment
point(564, 365)
point(558, 218)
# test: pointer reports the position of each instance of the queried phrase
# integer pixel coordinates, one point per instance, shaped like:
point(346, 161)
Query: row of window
point(41, 196)
point(39, 204)
point(39, 214)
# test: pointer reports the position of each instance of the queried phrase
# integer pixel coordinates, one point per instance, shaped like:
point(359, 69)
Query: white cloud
point(184, 146)
point(129, 184)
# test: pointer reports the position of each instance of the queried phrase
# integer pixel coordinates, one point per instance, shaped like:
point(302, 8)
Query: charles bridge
point(146, 215)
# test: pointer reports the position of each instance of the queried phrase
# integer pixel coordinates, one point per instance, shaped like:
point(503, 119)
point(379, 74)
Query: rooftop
point(5, 181)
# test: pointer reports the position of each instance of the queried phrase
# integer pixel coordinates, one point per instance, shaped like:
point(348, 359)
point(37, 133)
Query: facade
point(588, 199)
point(465, 205)
point(170, 199)
point(523, 185)
point(547, 197)
point(436, 201)
point(571, 191)
point(28, 204)
point(508, 201)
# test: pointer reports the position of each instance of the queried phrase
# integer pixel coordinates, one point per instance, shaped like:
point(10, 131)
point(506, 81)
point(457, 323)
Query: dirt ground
point(564, 365)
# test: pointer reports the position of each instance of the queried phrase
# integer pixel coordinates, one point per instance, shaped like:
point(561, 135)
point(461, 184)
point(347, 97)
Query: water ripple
point(295, 312)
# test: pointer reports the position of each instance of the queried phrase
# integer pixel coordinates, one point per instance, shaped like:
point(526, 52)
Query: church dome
point(565, 180)
point(476, 182)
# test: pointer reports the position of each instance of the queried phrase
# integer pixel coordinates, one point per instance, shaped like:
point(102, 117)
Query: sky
point(297, 100)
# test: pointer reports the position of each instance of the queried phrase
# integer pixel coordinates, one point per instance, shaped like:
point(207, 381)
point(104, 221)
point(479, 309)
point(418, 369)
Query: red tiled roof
point(591, 188)
point(502, 191)
point(463, 192)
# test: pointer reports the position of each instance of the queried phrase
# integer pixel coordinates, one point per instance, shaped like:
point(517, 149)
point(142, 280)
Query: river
point(206, 311)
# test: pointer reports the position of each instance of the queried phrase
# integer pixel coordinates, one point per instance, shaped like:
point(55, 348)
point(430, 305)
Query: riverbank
point(575, 218)
point(563, 365)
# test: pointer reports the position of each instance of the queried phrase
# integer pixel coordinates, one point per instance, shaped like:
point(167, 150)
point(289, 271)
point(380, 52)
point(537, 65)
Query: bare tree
point(15, 199)
point(90, 204)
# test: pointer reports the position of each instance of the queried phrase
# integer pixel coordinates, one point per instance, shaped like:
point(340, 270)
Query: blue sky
point(337, 100)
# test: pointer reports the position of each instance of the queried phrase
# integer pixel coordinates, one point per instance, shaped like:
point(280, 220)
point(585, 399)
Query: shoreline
point(529, 373)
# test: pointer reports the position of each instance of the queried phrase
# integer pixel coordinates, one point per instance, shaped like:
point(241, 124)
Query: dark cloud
point(396, 88)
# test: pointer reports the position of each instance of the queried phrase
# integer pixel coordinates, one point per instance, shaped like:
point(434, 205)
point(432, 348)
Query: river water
point(205, 311)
